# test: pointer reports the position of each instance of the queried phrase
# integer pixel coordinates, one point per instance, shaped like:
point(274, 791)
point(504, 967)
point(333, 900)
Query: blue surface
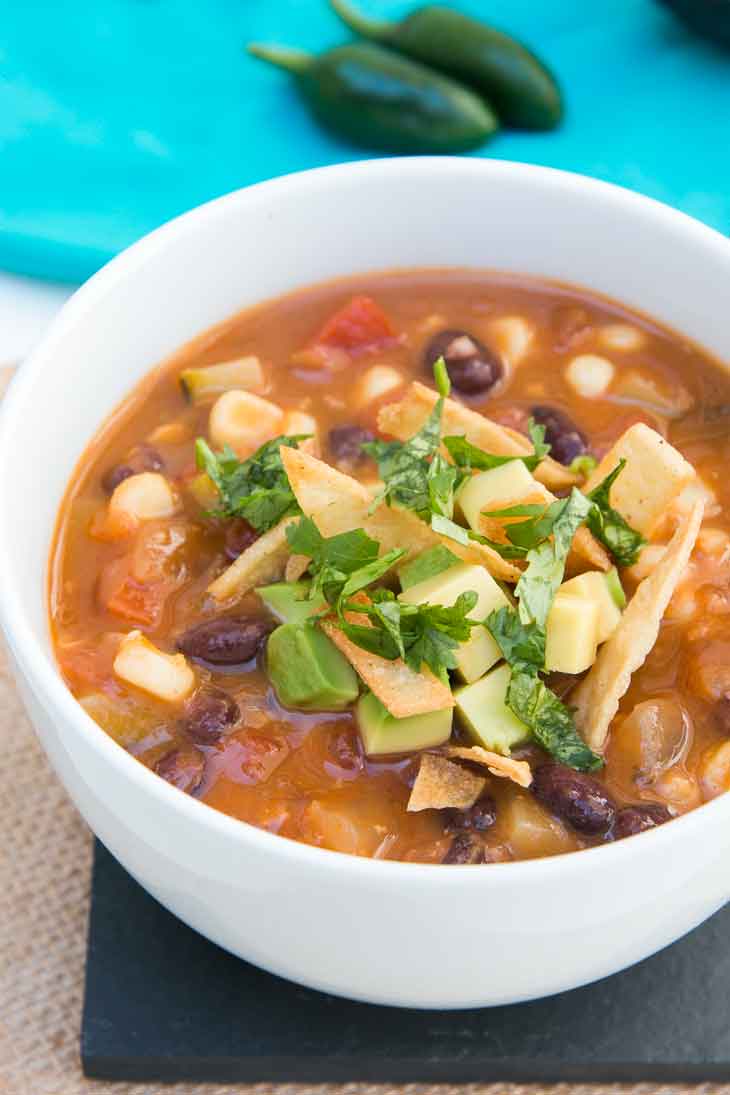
point(118, 114)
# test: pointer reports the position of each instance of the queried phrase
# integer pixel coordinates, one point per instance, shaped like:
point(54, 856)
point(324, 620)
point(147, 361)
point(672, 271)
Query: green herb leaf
point(441, 377)
point(341, 565)
point(404, 465)
point(608, 526)
point(550, 721)
point(256, 489)
point(519, 643)
point(471, 458)
point(546, 562)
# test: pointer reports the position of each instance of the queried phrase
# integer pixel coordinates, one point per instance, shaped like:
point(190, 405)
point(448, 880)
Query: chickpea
point(714, 770)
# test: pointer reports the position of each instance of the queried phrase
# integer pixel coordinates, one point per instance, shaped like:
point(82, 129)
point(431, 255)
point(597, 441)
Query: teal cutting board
point(118, 114)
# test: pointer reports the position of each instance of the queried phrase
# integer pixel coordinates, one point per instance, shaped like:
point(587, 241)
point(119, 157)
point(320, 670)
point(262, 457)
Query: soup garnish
point(464, 623)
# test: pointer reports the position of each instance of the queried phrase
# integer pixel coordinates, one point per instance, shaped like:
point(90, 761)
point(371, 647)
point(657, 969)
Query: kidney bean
point(564, 437)
point(576, 798)
point(183, 768)
point(479, 817)
point(464, 849)
point(115, 475)
point(636, 819)
point(472, 367)
point(225, 641)
point(345, 443)
point(209, 714)
point(238, 536)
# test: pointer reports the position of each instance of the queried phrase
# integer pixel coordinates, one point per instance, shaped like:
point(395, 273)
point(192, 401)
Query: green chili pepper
point(515, 82)
point(377, 98)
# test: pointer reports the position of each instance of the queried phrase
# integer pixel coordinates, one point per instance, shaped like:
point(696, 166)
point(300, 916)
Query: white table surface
point(27, 307)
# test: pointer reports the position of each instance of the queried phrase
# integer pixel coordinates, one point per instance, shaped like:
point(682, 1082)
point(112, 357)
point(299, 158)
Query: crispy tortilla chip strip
point(337, 503)
point(597, 697)
point(441, 784)
point(654, 475)
point(264, 561)
point(404, 418)
point(398, 688)
point(504, 767)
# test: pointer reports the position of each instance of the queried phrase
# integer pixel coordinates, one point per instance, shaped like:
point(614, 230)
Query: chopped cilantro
point(471, 458)
point(256, 489)
point(348, 563)
point(341, 565)
point(608, 526)
point(520, 634)
point(550, 721)
point(546, 560)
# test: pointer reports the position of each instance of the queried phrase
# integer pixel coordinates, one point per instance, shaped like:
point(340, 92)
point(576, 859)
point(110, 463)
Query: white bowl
point(391, 933)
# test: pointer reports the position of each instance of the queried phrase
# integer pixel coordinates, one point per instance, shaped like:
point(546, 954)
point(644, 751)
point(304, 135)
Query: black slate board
point(164, 1004)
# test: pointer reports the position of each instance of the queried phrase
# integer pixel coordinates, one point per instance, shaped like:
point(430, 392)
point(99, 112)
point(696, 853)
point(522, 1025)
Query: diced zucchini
point(381, 733)
point(244, 373)
point(595, 586)
point(203, 490)
point(426, 565)
point(243, 421)
point(505, 485)
point(572, 634)
point(168, 677)
point(480, 651)
point(483, 711)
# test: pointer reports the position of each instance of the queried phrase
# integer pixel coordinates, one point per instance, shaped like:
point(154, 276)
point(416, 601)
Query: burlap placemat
point(45, 861)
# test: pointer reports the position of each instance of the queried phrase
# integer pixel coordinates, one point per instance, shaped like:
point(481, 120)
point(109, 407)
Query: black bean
point(209, 714)
point(721, 715)
point(226, 641)
point(183, 768)
point(238, 536)
point(478, 818)
point(464, 849)
point(636, 819)
point(115, 475)
point(576, 798)
point(564, 437)
point(345, 444)
point(472, 367)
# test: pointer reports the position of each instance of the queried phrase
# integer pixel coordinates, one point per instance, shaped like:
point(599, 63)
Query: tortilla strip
point(505, 767)
point(654, 475)
point(597, 697)
point(441, 784)
point(295, 567)
point(264, 561)
point(402, 691)
point(404, 418)
point(338, 503)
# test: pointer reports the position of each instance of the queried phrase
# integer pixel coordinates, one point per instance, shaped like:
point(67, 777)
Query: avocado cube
point(381, 733)
point(508, 484)
point(594, 586)
point(426, 565)
point(288, 601)
point(482, 709)
point(475, 656)
point(307, 671)
point(572, 634)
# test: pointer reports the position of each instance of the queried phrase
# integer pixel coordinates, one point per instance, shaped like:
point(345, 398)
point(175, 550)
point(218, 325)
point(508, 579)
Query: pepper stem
point(369, 28)
point(293, 60)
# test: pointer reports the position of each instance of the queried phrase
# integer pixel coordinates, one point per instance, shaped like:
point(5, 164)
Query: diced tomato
point(359, 327)
point(132, 600)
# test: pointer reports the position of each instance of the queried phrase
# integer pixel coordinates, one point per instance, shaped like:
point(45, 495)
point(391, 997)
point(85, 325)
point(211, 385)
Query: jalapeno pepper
point(377, 98)
point(515, 82)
